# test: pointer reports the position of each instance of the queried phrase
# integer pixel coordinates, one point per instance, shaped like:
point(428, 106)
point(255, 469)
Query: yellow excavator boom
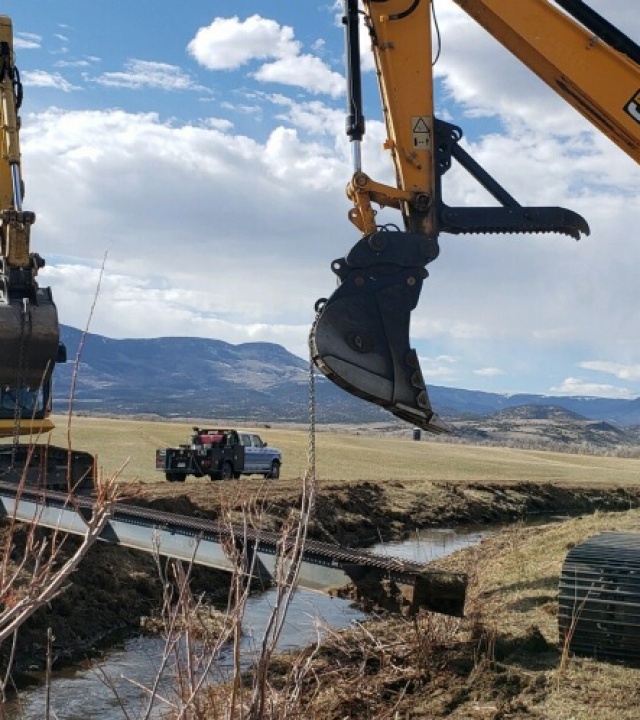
point(591, 64)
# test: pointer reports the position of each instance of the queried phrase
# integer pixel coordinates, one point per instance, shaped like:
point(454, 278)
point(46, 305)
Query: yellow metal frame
point(9, 141)
point(16, 226)
point(402, 52)
point(597, 80)
point(30, 427)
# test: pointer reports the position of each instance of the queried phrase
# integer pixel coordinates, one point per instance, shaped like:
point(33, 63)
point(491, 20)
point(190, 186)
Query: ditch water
point(117, 680)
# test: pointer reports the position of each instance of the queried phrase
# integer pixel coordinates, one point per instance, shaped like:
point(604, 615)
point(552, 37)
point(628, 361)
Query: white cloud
point(75, 63)
point(221, 124)
point(622, 372)
point(488, 372)
point(142, 73)
point(229, 43)
point(40, 78)
point(314, 117)
point(26, 41)
point(439, 368)
point(202, 234)
point(577, 386)
point(128, 306)
point(306, 71)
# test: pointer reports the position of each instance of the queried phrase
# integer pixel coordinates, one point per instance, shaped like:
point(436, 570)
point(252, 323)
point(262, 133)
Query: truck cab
point(258, 456)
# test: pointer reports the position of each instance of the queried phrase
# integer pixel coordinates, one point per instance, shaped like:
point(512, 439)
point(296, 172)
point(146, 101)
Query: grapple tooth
point(512, 220)
point(28, 340)
point(360, 341)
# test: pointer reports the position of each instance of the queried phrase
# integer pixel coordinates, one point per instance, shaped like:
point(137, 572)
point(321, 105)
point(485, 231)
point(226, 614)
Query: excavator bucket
point(360, 339)
point(29, 339)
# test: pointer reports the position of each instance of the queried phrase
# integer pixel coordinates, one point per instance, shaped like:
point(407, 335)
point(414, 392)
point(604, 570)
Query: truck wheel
point(175, 477)
point(274, 474)
point(227, 471)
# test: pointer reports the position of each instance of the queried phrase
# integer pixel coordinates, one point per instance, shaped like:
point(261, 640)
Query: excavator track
point(599, 597)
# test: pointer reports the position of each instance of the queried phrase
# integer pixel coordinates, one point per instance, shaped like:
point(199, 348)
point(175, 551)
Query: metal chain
point(311, 453)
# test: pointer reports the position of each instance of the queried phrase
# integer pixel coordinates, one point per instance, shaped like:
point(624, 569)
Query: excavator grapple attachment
point(29, 339)
point(360, 339)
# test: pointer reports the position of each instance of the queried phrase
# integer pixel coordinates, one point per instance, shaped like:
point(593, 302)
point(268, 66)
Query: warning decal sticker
point(633, 107)
point(421, 132)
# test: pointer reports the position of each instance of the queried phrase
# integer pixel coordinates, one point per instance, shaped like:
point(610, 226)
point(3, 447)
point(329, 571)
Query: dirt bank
point(102, 602)
point(503, 660)
point(362, 513)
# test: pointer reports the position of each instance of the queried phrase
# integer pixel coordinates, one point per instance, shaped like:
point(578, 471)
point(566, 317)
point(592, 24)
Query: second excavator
point(360, 339)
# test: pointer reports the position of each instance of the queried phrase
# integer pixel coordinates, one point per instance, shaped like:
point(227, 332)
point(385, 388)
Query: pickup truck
point(220, 454)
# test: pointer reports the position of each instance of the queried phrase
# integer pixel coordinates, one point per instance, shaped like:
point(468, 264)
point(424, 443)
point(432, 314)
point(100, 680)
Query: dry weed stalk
point(194, 663)
point(432, 632)
point(34, 579)
point(292, 544)
point(568, 638)
point(357, 672)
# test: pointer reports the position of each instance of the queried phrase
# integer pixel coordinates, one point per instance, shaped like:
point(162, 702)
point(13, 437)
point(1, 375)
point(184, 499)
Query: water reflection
point(85, 694)
point(428, 545)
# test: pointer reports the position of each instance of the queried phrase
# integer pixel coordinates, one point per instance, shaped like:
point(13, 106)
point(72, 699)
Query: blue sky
point(200, 147)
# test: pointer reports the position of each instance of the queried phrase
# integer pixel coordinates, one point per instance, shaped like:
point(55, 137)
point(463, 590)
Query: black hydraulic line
point(405, 13)
point(602, 28)
point(355, 117)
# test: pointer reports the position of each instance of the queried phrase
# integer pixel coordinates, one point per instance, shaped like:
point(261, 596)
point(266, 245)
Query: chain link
point(311, 453)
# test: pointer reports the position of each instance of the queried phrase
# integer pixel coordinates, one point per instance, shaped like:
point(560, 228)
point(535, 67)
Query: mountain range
point(195, 377)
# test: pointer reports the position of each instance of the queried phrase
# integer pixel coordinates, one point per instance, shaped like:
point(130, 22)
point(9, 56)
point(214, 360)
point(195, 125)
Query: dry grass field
point(346, 457)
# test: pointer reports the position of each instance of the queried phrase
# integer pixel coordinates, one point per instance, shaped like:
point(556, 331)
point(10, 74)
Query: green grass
point(341, 456)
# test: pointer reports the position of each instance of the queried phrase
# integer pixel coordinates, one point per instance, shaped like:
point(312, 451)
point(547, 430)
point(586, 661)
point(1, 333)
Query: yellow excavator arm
point(360, 338)
point(580, 55)
point(29, 330)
